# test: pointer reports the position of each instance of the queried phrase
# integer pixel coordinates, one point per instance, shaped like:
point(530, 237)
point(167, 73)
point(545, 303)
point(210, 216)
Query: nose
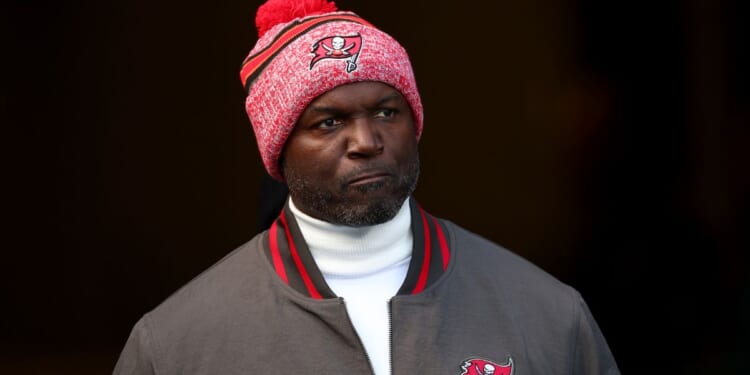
point(364, 139)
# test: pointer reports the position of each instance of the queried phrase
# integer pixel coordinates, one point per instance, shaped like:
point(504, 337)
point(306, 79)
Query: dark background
point(607, 141)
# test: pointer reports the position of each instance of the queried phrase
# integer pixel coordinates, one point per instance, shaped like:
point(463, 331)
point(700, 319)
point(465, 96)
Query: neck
point(347, 251)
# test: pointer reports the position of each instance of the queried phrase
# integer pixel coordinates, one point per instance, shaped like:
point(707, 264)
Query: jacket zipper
point(390, 334)
point(359, 339)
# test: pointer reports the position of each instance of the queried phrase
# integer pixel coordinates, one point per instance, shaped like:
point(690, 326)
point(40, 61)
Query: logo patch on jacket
point(338, 47)
point(479, 366)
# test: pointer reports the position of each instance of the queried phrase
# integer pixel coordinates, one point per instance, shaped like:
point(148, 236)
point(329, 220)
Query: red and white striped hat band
point(295, 62)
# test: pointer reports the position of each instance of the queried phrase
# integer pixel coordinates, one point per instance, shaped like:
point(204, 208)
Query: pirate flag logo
point(338, 47)
point(478, 366)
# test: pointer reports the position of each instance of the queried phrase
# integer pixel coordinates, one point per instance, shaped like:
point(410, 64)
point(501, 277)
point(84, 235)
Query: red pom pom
point(274, 12)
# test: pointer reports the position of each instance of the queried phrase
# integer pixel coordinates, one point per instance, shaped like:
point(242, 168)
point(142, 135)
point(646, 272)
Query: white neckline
point(346, 251)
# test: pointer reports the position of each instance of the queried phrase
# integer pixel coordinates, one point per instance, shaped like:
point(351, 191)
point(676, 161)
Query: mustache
point(371, 168)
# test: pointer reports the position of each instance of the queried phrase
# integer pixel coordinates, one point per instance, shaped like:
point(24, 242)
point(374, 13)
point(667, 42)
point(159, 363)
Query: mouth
point(368, 178)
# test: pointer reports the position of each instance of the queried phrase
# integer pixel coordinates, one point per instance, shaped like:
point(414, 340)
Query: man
point(354, 277)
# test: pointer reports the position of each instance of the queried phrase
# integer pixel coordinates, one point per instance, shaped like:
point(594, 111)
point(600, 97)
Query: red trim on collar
point(298, 262)
point(446, 254)
point(278, 264)
point(422, 280)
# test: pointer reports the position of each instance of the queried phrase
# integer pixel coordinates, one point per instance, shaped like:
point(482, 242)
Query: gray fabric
point(239, 318)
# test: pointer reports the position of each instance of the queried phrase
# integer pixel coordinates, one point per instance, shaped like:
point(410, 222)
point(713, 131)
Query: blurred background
point(606, 141)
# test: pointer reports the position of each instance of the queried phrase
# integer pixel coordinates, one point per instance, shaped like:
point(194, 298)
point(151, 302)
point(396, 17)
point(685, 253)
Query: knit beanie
point(305, 49)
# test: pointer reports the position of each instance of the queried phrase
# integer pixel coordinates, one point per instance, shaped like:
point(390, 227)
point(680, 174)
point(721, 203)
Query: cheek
point(406, 143)
point(311, 160)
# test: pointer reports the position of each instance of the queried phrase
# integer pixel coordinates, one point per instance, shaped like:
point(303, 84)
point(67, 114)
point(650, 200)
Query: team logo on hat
point(478, 366)
point(338, 47)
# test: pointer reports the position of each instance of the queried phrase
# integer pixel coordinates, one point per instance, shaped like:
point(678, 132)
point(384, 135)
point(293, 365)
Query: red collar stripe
point(446, 254)
point(298, 262)
point(422, 280)
point(278, 264)
point(253, 63)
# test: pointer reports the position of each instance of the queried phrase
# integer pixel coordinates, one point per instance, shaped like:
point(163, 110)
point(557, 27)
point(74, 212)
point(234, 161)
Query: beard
point(341, 204)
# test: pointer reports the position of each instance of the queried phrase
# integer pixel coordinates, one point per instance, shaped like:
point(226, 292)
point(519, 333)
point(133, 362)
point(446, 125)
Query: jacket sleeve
point(137, 358)
point(591, 352)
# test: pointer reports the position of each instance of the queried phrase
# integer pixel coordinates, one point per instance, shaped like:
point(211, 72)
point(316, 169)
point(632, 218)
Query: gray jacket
point(466, 304)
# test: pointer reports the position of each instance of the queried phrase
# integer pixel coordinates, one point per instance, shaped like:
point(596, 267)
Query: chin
point(358, 205)
point(370, 212)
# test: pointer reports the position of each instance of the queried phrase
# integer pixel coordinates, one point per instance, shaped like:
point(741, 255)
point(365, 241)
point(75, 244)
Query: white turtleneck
point(366, 266)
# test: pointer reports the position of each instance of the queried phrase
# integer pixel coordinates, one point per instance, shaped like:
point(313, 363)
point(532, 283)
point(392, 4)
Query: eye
point(328, 123)
point(385, 113)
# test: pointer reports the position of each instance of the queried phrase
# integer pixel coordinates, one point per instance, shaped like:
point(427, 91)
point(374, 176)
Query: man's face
point(352, 158)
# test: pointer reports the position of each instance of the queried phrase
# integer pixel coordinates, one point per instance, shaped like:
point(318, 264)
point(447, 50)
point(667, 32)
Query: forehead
point(359, 93)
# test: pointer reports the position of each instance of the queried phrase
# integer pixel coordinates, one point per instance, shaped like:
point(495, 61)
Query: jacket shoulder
point(550, 316)
point(502, 272)
point(199, 317)
point(478, 252)
point(216, 293)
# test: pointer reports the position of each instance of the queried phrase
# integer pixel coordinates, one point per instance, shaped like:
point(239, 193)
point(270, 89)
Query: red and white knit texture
point(288, 84)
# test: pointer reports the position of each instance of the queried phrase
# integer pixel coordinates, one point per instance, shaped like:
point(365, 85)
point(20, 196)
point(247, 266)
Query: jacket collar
point(290, 257)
